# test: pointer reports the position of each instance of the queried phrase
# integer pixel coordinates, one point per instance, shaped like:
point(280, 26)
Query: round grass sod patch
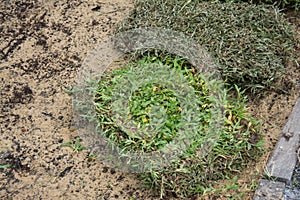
point(252, 43)
point(239, 141)
point(149, 103)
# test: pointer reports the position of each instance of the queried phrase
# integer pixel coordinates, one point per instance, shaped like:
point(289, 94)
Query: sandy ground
point(42, 46)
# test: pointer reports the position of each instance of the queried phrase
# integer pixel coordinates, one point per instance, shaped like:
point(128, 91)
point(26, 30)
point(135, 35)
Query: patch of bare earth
point(42, 46)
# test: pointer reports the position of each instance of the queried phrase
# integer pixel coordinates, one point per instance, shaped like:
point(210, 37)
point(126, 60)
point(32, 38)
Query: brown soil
point(42, 46)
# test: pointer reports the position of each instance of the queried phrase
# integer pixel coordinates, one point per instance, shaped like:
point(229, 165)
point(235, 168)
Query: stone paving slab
point(282, 163)
point(284, 158)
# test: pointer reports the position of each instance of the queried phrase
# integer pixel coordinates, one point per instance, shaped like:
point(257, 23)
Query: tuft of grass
point(76, 146)
point(252, 43)
point(5, 166)
point(238, 145)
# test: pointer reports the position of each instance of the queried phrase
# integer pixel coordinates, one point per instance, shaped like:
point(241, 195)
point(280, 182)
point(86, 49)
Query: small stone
point(288, 135)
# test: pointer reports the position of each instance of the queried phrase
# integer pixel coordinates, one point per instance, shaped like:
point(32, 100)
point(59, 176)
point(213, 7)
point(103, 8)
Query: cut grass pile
point(252, 43)
point(238, 143)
